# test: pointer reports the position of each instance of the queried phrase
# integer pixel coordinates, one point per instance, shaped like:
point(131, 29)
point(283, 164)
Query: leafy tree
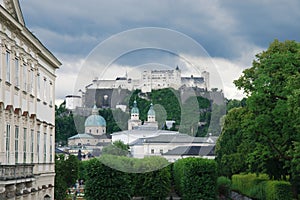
point(64, 124)
point(117, 148)
point(234, 143)
point(272, 86)
point(60, 183)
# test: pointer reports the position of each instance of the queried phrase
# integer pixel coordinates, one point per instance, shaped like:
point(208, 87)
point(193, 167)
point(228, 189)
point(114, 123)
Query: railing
point(18, 171)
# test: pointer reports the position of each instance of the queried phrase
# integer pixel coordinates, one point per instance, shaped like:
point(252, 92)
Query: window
point(7, 142)
point(152, 151)
point(31, 145)
point(7, 62)
point(17, 82)
point(16, 144)
point(51, 148)
point(38, 145)
point(38, 86)
point(24, 144)
point(24, 77)
point(30, 85)
point(45, 89)
point(45, 147)
point(161, 151)
point(51, 94)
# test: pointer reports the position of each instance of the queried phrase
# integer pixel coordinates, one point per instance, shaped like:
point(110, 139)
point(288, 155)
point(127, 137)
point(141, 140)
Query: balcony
point(14, 172)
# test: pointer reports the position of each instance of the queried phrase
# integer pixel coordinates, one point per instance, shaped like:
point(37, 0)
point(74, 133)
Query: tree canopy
point(270, 119)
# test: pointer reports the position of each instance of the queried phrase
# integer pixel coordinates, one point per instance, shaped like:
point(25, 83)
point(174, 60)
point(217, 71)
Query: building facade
point(27, 115)
point(111, 93)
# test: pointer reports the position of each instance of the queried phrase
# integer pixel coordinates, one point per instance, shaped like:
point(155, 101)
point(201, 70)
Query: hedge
point(277, 190)
point(260, 187)
point(195, 178)
point(106, 181)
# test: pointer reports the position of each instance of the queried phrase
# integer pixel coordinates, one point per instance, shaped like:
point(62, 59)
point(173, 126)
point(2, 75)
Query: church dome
point(135, 110)
point(95, 119)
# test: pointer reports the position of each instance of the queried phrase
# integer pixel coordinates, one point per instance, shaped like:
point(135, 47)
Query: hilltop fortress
point(111, 93)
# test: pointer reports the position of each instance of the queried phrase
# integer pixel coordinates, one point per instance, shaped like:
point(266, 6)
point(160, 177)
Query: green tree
point(66, 174)
point(64, 124)
point(234, 143)
point(117, 148)
point(60, 183)
point(272, 86)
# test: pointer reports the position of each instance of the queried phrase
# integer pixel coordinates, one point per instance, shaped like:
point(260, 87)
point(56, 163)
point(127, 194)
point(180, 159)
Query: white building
point(73, 101)
point(27, 124)
point(146, 140)
point(159, 79)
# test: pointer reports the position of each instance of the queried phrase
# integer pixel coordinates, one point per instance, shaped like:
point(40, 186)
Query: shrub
point(259, 187)
point(277, 190)
point(104, 180)
point(223, 186)
point(195, 178)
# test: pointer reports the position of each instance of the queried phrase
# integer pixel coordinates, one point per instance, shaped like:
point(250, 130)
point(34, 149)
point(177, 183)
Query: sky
point(110, 38)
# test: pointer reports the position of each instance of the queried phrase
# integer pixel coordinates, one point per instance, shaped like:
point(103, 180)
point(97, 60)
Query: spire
point(95, 110)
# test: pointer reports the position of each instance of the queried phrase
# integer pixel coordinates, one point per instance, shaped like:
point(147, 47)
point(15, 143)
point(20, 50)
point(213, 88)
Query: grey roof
point(193, 150)
point(82, 135)
point(58, 151)
point(178, 138)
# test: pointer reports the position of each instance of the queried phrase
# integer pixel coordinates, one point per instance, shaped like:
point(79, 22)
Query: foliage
point(277, 190)
point(223, 186)
point(195, 178)
point(117, 148)
point(272, 86)
point(260, 187)
point(66, 174)
point(250, 184)
point(60, 184)
point(155, 184)
point(234, 143)
point(168, 106)
point(234, 103)
point(116, 120)
point(104, 182)
point(151, 177)
point(64, 124)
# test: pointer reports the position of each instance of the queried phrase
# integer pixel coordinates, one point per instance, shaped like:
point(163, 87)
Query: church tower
point(134, 121)
point(151, 114)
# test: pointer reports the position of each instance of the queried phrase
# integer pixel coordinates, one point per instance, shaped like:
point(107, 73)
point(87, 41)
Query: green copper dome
point(151, 110)
point(134, 109)
point(95, 119)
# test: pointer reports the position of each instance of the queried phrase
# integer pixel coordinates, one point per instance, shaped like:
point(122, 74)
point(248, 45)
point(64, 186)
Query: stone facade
point(27, 124)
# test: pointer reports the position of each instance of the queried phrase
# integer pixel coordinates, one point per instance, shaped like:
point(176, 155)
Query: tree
point(66, 174)
point(234, 143)
point(64, 124)
point(117, 148)
point(272, 86)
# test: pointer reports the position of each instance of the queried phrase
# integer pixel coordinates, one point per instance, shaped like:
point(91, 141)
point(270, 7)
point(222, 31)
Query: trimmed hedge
point(104, 180)
point(195, 178)
point(277, 190)
point(260, 187)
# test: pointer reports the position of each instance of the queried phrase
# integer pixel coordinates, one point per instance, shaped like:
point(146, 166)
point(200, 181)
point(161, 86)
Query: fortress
point(111, 93)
